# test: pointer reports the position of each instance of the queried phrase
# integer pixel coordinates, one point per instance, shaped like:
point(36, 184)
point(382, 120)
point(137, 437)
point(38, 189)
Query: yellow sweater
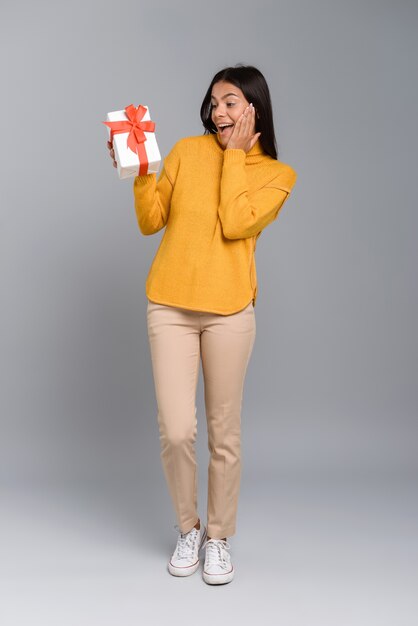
point(214, 204)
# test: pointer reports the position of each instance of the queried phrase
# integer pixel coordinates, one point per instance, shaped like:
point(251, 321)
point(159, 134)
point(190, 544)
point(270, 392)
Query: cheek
point(238, 114)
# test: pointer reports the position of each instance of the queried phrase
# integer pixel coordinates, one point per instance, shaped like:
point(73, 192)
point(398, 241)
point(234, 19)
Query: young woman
point(215, 194)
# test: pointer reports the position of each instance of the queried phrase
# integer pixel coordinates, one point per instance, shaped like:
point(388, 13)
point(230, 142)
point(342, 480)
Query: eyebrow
point(226, 95)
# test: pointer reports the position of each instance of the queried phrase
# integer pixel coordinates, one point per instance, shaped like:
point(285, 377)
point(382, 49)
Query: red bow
point(136, 138)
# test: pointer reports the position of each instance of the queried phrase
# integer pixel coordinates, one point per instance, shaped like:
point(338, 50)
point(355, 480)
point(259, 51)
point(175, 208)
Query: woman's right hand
point(112, 153)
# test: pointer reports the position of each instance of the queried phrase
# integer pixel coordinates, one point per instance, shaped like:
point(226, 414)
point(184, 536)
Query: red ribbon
point(136, 138)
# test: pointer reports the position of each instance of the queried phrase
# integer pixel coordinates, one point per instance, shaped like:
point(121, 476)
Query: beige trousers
point(178, 339)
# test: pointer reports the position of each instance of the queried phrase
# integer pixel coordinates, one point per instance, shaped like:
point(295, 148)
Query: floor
point(326, 549)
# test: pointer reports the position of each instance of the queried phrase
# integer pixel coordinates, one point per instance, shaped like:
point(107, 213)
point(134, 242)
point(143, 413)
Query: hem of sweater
point(189, 308)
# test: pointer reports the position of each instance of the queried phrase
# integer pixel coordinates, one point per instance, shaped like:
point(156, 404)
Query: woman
point(215, 194)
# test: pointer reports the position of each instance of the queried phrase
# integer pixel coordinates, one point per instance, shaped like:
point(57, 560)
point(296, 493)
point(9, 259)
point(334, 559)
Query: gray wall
point(332, 380)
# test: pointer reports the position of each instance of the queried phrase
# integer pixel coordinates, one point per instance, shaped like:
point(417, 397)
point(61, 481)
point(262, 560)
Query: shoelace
point(185, 542)
point(215, 553)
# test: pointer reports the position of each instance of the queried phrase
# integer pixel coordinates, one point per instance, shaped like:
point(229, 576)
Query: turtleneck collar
point(256, 150)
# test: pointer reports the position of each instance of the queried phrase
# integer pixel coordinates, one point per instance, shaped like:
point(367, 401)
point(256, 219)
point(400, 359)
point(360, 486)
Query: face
point(227, 105)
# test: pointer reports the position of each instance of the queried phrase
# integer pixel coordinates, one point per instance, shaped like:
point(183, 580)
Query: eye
point(212, 106)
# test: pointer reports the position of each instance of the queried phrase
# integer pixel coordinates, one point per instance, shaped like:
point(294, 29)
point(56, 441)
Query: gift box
point(132, 133)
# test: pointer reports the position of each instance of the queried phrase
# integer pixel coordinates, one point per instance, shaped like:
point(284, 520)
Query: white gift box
point(127, 160)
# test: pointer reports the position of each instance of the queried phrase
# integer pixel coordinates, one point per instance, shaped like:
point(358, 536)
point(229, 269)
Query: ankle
point(211, 538)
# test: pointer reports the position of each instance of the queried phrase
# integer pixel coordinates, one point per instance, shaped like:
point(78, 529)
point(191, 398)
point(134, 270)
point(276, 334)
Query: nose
point(219, 116)
point(220, 111)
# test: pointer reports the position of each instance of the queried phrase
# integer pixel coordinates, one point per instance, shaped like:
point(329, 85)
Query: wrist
point(234, 155)
point(234, 147)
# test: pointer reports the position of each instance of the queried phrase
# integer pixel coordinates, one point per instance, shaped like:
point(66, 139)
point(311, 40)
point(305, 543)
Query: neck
point(256, 150)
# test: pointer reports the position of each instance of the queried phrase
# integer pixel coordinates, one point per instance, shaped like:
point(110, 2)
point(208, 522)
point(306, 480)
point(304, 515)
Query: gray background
point(327, 518)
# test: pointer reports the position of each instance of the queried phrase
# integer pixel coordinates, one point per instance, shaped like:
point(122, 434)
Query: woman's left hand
point(244, 136)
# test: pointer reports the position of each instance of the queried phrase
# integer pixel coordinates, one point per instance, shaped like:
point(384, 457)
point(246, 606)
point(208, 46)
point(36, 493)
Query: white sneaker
point(218, 568)
point(185, 558)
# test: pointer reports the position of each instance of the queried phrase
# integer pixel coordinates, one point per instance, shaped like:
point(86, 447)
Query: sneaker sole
point(189, 569)
point(218, 579)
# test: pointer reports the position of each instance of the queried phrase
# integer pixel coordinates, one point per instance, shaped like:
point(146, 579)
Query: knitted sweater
point(214, 203)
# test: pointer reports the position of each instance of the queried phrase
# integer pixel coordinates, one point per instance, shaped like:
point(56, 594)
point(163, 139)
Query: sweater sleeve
point(153, 197)
point(242, 214)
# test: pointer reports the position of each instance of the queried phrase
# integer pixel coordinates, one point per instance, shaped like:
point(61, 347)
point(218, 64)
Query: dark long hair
point(254, 87)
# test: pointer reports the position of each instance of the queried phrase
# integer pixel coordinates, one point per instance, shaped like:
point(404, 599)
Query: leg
point(175, 352)
point(226, 345)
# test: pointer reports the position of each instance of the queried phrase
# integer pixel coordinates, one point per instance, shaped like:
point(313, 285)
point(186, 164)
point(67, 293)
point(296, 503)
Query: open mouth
point(224, 129)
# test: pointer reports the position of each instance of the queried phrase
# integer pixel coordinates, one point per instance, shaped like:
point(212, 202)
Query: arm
point(152, 197)
point(243, 215)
